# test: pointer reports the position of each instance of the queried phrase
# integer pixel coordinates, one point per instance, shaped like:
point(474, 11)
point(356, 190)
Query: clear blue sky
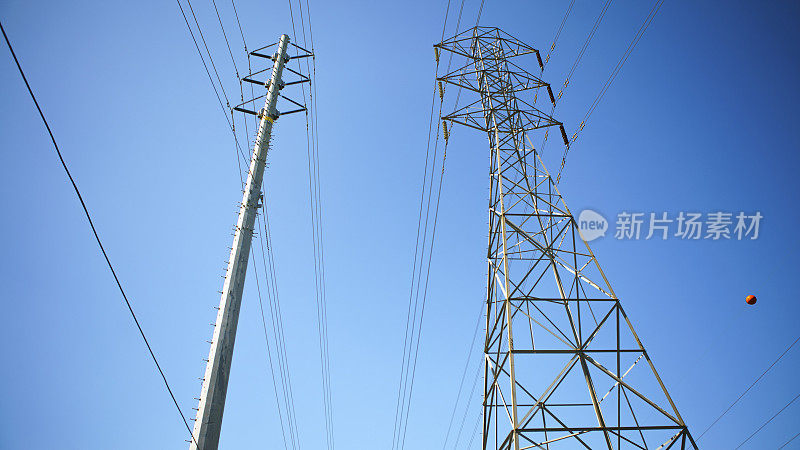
point(703, 117)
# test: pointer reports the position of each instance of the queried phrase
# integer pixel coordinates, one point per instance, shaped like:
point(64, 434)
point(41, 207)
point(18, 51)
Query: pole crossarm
point(253, 78)
point(563, 366)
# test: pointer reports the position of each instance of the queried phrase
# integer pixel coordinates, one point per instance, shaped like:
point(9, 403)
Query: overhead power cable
point(208, 52)
point(768, 421)
point(575, 64)
point(323, 303)
point(401, 387)
point(467, 408)
point(236, 71)
point(276, 317)
point(583, 49)
point(231, 127)
point(94, 231)
point(748, 388)
point(463, 375)
point(225, 35)
point(239, 24)
point(789, 441)
point(558, 33)
point(637, 37)
point(266, 339)
point(422, 262)
point(421, 237)
point(203, 60)
point(315, 202)
point(249, 72)
point(287, 408)
point(475, 431)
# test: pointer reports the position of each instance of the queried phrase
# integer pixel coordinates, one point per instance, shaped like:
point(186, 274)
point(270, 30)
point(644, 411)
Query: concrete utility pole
point(215, 383)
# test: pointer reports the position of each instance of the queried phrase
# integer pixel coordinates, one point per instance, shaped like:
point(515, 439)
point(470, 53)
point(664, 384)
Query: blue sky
point(703, 117)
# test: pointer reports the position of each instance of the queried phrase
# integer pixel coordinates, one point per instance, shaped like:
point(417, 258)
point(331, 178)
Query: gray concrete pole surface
point(215, 382)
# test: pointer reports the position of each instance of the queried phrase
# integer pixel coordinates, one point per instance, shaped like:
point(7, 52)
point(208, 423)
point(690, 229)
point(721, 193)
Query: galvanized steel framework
point(563, 367)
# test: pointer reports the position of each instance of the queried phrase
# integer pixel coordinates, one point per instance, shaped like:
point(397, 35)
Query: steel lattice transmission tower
point(564, 367)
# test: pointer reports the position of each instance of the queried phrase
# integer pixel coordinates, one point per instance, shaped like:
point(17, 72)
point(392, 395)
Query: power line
point(202, 58)
point(768, 421)
point(789, 441)
point(213, 84)
point(224, 35)
point(239, 24)
point(637, 37)
point(315, 147)
point(416, 329)
point(210, 58)
point(416, 304)
point(401, 384)
point(312, 150)
point(235, 68)
point(280, 344)
point(647, 21)
point(475, 431)
point(277, 326)
point(466, 409)
point(417, 299)
point(322, 319)
point(575, 64)
point(94, 230)
point(463, 375)
point(269, 351)
point(249, 71)
point(748, 389)
point(558, 33)
point(424, 294)
point(584, 47)
point(480, 12)
point(399, 406)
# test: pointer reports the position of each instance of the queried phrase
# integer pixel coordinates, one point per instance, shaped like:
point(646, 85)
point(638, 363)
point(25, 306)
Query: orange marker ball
point(751, 299)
